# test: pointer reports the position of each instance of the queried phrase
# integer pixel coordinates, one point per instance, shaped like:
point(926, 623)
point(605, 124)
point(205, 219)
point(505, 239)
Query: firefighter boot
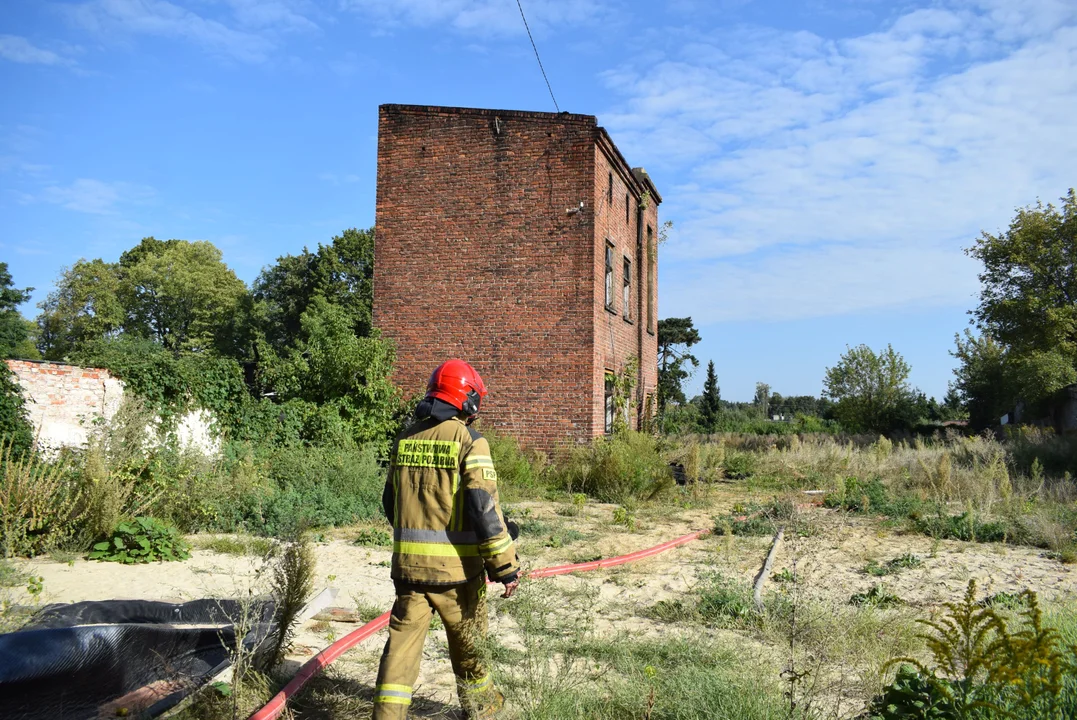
point(484, 704)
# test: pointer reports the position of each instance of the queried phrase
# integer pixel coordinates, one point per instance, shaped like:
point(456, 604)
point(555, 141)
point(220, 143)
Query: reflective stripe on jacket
point(441, 497)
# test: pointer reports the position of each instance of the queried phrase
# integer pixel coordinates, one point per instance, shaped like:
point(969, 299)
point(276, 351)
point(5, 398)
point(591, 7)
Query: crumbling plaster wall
point(64, 401)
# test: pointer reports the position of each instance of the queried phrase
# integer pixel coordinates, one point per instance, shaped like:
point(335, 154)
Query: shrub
point(984, 670)
point(722, 600)
point(619, 468)
point(876, 596)
point(310, 487)
point(966, 526)
point(373, 537)
point(738, 465)
point(16, 434)
point(519, 472)
point(40, 508)
point(755, 519)
point(142, 540)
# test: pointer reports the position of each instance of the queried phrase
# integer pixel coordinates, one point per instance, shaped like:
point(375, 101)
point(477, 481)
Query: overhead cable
point(520, 5)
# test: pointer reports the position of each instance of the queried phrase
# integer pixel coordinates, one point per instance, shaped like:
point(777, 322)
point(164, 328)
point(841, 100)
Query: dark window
point(627, 221)
point(627, 290)
point(649, 264)
point(609, 191)
point(609, 403)
point(609, 276)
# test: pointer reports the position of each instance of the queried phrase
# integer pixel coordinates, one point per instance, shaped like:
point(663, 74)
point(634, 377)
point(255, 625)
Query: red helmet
point(457, 383)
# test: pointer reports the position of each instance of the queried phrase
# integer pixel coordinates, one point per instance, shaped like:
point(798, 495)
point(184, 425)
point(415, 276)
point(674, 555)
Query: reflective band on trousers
point(476, 684)
point(393, 694)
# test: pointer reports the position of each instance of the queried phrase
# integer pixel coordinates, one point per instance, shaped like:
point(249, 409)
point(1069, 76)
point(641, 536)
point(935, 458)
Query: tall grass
point(623, 467)
point(566, 669)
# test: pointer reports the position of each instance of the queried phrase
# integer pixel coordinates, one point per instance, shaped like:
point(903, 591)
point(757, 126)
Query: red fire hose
point(275, 707)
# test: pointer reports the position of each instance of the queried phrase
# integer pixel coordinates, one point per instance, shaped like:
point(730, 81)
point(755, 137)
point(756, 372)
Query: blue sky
point(824, 161)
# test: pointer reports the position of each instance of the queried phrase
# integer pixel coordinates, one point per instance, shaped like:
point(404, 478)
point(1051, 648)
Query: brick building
point(524, 243)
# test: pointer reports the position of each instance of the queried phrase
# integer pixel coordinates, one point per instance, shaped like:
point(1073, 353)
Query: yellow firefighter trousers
point(463, 612)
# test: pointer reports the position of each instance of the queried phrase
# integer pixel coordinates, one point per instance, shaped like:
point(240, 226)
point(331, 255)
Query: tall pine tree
point(710, 407)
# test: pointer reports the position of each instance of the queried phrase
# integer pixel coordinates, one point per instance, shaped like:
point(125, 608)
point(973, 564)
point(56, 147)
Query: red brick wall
point(477, 258)
point(621, 335)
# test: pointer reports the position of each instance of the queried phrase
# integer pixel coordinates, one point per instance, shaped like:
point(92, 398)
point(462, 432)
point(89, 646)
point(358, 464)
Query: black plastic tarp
point(88, 659)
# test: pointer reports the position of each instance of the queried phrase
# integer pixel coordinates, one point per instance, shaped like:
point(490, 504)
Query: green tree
point(871, 390)
point(675, 337)
point(762, 398)
point(85, 307)
point(1028, 299)
point(348, 376)
point(13, 331)
point(15, 430)
point(983, 382)
point(710, 406)
point(180, 294)
point(342, 272)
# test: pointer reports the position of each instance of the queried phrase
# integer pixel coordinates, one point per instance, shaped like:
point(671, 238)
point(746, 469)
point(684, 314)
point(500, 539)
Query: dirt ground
point(829, 560)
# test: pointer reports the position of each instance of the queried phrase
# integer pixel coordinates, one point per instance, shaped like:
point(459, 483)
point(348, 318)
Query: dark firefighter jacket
point(441, 497)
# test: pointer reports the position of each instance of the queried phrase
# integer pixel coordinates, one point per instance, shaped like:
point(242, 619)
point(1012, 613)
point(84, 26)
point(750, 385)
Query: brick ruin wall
point(63, 400)
point(477, 258)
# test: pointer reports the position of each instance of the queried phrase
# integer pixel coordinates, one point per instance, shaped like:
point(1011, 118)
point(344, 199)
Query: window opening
point(609, 276)
point(609, 402)
point(609, 190)
point(627, 220)
point(649, 260)
point(627, 289)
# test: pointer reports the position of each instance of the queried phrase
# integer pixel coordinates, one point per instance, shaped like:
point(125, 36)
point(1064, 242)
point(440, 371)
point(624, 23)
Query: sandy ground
point(829, 560)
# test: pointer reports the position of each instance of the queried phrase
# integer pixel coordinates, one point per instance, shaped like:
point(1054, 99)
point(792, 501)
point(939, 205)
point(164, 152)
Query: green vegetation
point(142, 540)
point(1027, 347)
point(891, 567)
point(617, 468)
point(983, 669)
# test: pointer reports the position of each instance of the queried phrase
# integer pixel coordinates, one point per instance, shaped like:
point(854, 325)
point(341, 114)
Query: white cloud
point(92, 196)
point(843, 175)
point(19, 49)
point(249, 35)
point(478, 17)
point(822, 281)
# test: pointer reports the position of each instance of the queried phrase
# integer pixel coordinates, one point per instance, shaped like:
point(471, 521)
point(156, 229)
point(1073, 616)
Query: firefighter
point(448, 534)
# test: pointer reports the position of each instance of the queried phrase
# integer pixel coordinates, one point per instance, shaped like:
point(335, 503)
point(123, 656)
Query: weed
point(40, 509)
point(141, 540)
point(624, 516)
point(367, 611)
point(293, 582)
point(618, 468)
point(563, 538)
point(876, 596)
point(519, 471)
point(890, 567)
point(785, 576)
point(982, 669)
point(373, 537)
point(11, 576)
